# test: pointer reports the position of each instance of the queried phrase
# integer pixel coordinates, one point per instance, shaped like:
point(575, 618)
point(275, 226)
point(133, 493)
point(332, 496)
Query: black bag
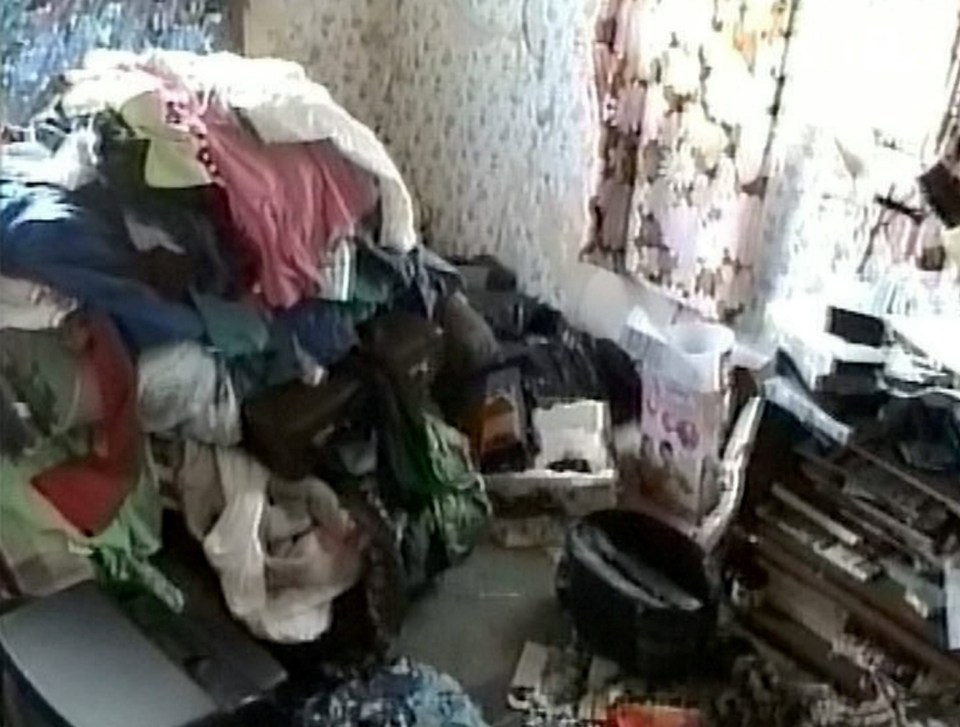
point(638, 592)
point(406, 347)
point(284, 424)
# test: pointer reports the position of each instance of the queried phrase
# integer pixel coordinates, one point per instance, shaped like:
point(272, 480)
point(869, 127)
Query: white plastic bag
point(295, 607)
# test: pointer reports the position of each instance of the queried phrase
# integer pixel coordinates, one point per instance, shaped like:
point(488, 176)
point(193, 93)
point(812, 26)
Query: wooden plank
point(824, 521)
point(811, 652)
point(941, 489)
point(870, 618)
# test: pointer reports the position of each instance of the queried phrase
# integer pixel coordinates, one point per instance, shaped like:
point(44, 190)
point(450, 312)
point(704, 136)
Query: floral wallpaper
point(39, 39)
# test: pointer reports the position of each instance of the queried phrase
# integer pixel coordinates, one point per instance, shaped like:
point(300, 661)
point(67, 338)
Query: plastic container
point(705, 347)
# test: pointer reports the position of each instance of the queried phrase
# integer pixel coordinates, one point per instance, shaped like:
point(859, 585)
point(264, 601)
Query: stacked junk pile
point(787, 542)
point(231, 375)
point(213, 293)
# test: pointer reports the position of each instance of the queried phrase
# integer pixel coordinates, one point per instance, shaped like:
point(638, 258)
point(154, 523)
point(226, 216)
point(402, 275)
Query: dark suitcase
point(286, 425)
point(405, 346)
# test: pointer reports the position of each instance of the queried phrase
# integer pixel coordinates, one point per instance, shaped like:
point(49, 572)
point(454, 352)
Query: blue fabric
point(401, 694)
point(276, 364)
point(323, 329)
point(319, 328)
point(233, 327)
point(46, 238)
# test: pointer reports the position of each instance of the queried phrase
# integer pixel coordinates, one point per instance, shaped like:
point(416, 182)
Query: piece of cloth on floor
point(402, 693)
point(47, 238)
point(186, 391)
point(31, 306)
point(283, 550)
point(44, 551)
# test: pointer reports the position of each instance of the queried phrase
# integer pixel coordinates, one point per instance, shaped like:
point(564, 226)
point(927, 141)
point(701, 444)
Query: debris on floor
point(842, 555)
point(398, 694)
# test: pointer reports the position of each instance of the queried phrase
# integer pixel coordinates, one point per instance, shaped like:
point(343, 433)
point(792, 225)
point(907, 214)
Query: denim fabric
point(46, 237)
point(413, 281)
point(323, 329)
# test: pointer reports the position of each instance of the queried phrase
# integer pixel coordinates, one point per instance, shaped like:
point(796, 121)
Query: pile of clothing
point(213, 297)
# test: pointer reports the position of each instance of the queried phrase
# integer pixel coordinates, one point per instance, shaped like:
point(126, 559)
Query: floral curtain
point(688, 93)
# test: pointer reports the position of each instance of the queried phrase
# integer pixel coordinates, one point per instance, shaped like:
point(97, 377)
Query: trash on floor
point(398, 694)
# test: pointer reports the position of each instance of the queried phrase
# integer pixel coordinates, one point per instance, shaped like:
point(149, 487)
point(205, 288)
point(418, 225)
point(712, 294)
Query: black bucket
point(638, 592)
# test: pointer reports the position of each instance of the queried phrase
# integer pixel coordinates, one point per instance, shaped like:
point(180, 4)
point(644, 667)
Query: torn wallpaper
point(39, 40)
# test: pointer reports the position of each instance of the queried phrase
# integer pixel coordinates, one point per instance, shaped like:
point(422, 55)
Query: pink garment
point(293, 202)
point(284, 207)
